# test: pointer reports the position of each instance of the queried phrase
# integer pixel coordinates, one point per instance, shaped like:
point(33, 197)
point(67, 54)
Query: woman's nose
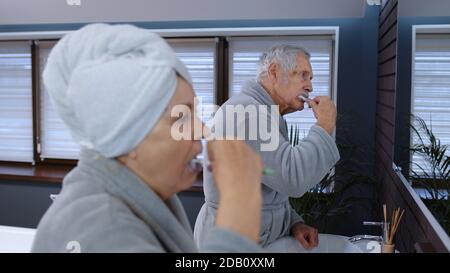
point(206, 131)
point(198, 147)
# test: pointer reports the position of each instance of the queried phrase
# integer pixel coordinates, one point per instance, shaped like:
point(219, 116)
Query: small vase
point(388, 248)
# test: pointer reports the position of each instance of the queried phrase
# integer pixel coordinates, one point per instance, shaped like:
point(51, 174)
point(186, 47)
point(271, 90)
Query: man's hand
point(325, 112)
point(306, 235)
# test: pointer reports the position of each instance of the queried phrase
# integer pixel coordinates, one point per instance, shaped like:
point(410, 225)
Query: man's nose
point(308, 86)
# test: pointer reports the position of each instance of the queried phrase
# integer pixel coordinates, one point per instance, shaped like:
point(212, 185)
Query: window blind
point(431, 89)
point(199, 57)
point(244, 55)
point(56, 141)
point(16, 117)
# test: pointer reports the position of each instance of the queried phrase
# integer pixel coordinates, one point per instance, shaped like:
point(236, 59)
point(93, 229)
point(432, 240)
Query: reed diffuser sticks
point(395, 221)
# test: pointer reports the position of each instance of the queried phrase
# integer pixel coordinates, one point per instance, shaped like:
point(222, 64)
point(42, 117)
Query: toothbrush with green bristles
point(196, 164)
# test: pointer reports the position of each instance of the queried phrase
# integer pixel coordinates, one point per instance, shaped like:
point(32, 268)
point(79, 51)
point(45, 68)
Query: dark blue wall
point(357, 76)
point(22, 204)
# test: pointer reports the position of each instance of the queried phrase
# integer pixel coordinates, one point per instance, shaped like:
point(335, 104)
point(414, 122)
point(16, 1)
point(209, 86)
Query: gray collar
point(255, 90)
point(167, 220)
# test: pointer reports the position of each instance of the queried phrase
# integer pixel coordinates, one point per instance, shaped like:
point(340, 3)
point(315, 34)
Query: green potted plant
point(326, 204)
point(434, 175)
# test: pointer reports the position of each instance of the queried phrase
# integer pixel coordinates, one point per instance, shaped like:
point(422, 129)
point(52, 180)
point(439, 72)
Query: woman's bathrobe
point(104, 207)
point(297, 169)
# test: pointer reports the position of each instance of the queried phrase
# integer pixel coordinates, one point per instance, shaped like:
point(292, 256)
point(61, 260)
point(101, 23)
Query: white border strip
point(32, 35)
point(418, 29)
point(445, 239)
point(197, 32)
point(413, 88)
point(335, 69)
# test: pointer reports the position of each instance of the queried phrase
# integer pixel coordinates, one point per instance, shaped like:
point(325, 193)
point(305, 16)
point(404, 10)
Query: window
point(55, 139)
point(431, 88)
point(199, 56)
point(16, 115)
point(30, 128)
point(245, 53)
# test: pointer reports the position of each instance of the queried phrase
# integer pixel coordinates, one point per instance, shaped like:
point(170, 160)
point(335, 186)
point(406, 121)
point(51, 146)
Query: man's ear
point(272, 72)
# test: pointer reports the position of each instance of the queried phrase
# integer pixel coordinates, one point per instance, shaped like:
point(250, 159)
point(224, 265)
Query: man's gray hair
point(284, 55)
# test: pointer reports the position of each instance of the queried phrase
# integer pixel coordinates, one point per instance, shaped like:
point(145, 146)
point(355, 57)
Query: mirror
point(422, 101)
point(422, 82)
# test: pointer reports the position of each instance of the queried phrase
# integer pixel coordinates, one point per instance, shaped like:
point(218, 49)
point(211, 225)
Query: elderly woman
point(114, 87)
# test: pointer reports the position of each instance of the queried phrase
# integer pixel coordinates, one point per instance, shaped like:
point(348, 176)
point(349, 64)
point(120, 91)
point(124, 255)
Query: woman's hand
point(237, 171)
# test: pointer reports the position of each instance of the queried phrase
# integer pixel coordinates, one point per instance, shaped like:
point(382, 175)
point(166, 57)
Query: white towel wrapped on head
point(111, 83)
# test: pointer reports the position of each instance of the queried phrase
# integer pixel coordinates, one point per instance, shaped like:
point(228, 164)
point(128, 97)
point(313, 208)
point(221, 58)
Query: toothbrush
point(196, 164)
point(305, 97)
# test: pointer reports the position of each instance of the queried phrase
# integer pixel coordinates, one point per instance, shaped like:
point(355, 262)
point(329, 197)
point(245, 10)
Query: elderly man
point(284, 74)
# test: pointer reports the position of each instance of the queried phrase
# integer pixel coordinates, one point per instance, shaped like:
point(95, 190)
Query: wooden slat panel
point(409, 202)
point(386, 113)
point(389, 127)
point(385, 105)
point(388, 23)
point(388, 53)
point(387, 39)
point(386, 128)
point(409, 226)
point(386, 98)
point(424, 248)
point(385, 139)
point(387, 11)
point(385, 144)
point(404, 240)
point(387, 82)
point(393, 200)
point(421, 221)
point(385, 155)
point(388, 67)
point(411, 222)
